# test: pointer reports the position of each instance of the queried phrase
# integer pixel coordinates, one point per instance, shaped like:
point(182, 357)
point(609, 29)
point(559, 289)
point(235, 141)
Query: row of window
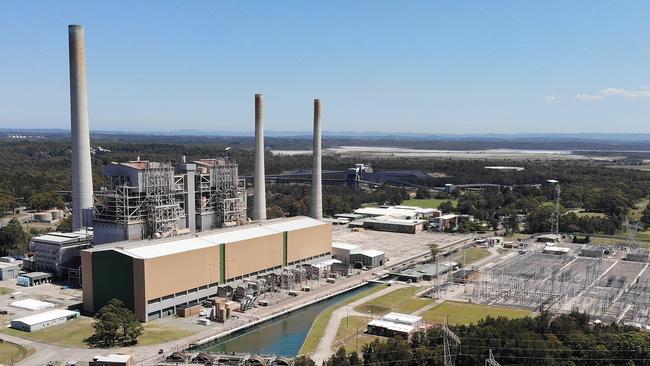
point(182, 293)
point(205, 287)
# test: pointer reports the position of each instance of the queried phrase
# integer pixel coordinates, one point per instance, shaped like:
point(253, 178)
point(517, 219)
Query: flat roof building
point(369, 258)
point(44, 320)
point(342, 251)
point(153, 277)
point(388, 223)
point(8, 270)
point(111, 360)
point(58, 253)
point(395, 324)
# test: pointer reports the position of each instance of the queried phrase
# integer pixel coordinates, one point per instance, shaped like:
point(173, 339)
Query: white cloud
point(550, 99)
point(615, 92)
point(628, 94)
point(588, 97)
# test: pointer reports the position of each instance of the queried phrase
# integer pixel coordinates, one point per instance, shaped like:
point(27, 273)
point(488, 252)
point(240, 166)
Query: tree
point(303, 361)
point(7, 203)
point(13, 238)
point(340, 358)
point(46, 200)
point(434, 250)
point(65, 225)
point(422, 193)
point(446, 206)
point(115, 324)
point(646, 215)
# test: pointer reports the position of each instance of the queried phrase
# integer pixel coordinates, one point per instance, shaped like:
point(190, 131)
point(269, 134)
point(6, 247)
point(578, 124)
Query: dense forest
point(544, 340)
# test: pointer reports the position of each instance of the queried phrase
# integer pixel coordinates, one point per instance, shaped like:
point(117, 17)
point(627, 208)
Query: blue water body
point(282, 336)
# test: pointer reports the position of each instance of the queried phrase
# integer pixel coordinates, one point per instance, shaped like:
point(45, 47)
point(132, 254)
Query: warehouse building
point(398, 212)
point(387, 223)
point(44, 320)
point(369, 258)
point(342, 251)
point(153, 278)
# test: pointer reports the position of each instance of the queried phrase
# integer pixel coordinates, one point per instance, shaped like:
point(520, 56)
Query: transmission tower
point(631, 230)
point(448, 338)
point(490, 361)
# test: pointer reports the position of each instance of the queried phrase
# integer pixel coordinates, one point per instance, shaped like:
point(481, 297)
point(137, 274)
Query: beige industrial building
point(154, 277)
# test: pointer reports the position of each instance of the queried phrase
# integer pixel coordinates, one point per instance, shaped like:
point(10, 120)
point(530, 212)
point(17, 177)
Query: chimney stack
point(259, 199)
point(82, 180)
point(316, 174)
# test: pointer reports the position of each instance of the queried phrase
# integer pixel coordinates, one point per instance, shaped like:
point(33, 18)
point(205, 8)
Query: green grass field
point(428, 203)
point(320, 323)
point(460, 313)
point(11, 353)
point(471, 255)
point(73, 334)
point(402, 300)
point(5, 291)
point(351, 334)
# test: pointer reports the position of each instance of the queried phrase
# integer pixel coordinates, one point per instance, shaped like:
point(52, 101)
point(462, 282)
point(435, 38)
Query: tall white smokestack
point(82, 179)
point(316, 174)
point(259, 199)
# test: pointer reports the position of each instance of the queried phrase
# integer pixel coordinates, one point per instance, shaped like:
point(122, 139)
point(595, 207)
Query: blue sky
point(414, 66)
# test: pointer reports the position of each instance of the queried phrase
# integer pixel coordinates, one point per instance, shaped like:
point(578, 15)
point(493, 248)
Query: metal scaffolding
point(220, 192)
point(143, 193)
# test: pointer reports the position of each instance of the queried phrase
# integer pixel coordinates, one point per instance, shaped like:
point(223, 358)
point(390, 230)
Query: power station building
point(153, 200)
point(153, 278)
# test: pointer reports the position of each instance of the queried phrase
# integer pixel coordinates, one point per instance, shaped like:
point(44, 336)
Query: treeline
point(32, 172)
point(543, 340)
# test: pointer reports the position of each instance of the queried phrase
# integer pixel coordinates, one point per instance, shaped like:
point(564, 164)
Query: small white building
point(44, 320)
point(395, 324)
point(112, 359)
point(31, 304)
point(555, 250)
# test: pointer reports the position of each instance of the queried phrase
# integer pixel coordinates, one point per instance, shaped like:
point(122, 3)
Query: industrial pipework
point(82, 179)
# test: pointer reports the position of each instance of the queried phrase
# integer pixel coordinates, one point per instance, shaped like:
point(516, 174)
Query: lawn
point(11, 353)
point(471, 255)
point(73, 333)
point(428, 203)
point(351, 334)
point(320, 323)
point(402, 300)
point(463, 313)
point(5, 291)
point(155, 334)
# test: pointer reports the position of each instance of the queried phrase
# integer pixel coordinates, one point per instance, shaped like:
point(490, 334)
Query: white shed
point(44, 320)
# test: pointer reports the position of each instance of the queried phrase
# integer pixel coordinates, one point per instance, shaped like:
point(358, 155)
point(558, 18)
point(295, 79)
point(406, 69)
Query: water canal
point(281, 336)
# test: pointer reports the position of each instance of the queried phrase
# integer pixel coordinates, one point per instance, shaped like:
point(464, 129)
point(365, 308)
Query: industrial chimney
point(316, 174)
point(259, 199)
point(82, 179)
